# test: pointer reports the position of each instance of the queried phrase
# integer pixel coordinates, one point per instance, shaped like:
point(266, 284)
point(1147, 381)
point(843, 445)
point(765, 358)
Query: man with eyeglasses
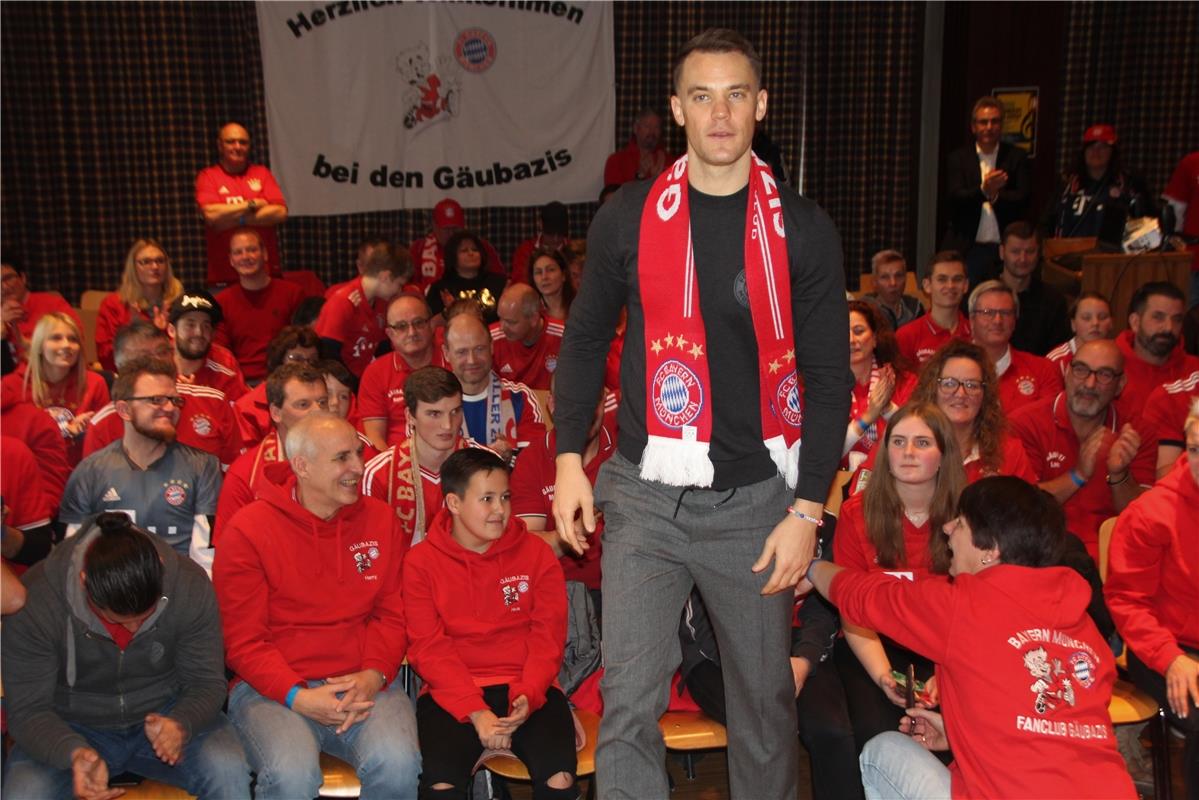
point(381, 403)
point(165, 487)
point(293, 391)
point(256, 308)
point(986, 187)
point(206, 420)
point(1024, 378)
point(1084, 452)
point(234, 193)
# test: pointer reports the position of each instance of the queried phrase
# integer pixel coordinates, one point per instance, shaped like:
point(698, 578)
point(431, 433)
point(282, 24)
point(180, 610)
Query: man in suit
point(986, 187)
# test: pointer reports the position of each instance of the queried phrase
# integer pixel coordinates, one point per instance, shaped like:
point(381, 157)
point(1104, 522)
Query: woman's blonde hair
point(35, 373)
point(130, 290)
point(884, 510)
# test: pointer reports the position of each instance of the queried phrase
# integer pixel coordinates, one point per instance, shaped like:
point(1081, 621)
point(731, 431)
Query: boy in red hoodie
point(486, 609)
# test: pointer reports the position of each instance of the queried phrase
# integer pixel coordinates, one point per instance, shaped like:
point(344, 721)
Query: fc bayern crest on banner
point(786, 400)
point(678, 395)
point(475, 49)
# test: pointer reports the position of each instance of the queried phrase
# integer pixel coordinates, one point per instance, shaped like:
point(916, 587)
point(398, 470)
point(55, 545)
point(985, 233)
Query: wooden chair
point(511, 768)
point(89, 309)
point(153, 790)
point(1129, 705)
point(689, 731)
point(340, 779)
point(836, 492)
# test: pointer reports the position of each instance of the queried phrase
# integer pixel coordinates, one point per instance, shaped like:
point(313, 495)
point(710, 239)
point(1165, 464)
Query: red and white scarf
point(678, 388)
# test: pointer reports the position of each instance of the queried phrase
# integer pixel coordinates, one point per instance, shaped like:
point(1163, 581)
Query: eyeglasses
point(995, 313)
point(300, 358)
point(160, 400)
point(150, 261)
point(1103, 376)
point(951, 385)
point(402, 326)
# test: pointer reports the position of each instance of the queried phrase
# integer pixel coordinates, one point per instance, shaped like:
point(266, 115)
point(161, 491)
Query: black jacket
point(964, 197)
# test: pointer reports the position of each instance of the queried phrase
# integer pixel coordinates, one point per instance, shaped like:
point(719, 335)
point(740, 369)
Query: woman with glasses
point(1090, 319)
point(147, 289)
point(960, 380)
point(881, 381)
point(894, 527)
point(549, 272)
point(56, 380)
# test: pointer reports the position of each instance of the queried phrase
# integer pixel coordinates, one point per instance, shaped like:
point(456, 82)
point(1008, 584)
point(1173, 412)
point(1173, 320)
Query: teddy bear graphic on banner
point(431, 91)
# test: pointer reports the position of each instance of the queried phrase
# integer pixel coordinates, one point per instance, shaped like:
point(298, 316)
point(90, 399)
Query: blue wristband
point(863, 425)
point(291, 695)
point(1079, 481)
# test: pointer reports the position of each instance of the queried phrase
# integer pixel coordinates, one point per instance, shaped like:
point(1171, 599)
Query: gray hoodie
point(61, 665)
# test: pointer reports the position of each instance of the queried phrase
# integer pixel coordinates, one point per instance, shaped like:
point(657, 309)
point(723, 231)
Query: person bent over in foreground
point(486, 605)
point(115, 664)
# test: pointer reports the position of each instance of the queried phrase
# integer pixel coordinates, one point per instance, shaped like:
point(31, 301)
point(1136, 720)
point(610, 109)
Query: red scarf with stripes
point(677, 383)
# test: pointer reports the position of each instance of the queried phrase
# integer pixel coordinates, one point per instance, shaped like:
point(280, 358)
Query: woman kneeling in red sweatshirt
point(486, 608)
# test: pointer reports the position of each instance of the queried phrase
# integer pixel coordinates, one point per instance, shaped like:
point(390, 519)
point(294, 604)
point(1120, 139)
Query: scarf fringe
point(676, 462)
point(785, 458)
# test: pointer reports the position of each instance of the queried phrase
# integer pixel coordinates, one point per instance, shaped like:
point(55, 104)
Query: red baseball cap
point(1100, 133)
point(448, 214)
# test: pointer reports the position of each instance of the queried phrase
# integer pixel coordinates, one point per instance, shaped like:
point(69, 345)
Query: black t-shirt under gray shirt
point(819, 319)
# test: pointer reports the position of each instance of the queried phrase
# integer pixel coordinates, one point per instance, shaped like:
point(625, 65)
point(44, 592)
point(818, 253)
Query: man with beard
point(1152, 345)
point(166, 488)
point(206, 422)
point(256, 308)
point(193, 318)
point(1084, 453)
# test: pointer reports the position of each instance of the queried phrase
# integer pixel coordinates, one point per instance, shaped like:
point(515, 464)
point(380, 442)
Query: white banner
point(377, 105)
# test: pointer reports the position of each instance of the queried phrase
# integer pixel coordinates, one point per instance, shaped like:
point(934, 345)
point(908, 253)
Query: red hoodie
point(1152, 586)
point(1144, 377)
point(480, 619)
point(304, 598)
point(1025, 676)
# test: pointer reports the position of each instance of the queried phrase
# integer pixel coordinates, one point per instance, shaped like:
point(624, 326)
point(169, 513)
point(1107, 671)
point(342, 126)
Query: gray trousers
point(652, 557)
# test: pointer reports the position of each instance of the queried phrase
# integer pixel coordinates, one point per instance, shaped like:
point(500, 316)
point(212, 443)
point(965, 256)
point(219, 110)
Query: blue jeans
point(896, 767)
point(284, 747)
point(213, 764)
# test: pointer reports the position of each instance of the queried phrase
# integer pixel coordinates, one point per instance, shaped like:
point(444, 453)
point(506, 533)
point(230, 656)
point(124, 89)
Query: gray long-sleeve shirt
point(819, 319)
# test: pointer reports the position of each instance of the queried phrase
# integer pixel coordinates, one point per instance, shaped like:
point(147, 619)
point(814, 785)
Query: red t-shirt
point(1052, 447)
point(1166, 410)
point(206, 422)
point(214, 185)
point(533, 366)
point(38, 305)
point(532, 489)
point(251, 320)
point(220, 371)
point(64, 403)
point(922, 337)
point(381, 392)
point(852, 549)
point(358, 325)
point(1027, 379)
point(1143, 377)
point(1062, 355)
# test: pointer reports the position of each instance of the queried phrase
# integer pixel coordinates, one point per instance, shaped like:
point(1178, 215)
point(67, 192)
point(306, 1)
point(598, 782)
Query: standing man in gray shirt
point(734, 289)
